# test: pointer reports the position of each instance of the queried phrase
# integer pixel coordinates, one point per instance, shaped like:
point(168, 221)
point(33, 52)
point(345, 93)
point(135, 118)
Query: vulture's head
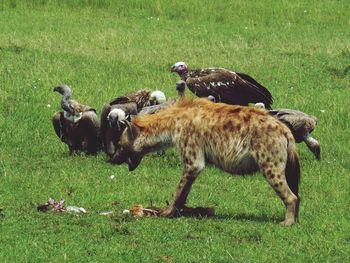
point(259, 105)
point(180, 68)
point(211, 98)
point(126, 152)
point(157, 97)
point(64, 90)
point(115, 116)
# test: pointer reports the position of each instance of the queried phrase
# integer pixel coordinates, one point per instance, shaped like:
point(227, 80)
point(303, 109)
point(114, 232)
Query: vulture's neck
point(184, 75)
point(66, 105)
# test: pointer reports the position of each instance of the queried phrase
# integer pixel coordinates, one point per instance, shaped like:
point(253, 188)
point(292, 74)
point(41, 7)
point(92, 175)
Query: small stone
point(126, 212)
point(106, 213)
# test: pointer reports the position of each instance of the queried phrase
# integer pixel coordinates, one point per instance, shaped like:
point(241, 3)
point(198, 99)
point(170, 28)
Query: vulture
point(122, 108)
point(141, 98)
point(223, 85)
point(301, 125)
point(77, 125)
point(110, 130)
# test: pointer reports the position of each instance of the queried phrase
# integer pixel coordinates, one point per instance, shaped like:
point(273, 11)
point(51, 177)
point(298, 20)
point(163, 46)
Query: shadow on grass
point(238, 217)
point(208, 213)
point(248, 217)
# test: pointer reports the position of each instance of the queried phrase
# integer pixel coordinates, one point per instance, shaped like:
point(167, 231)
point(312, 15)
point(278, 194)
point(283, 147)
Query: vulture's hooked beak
point(173, 68)
point(63, 90)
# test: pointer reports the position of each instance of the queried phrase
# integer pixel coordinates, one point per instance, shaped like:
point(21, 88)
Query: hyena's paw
point(288, 222)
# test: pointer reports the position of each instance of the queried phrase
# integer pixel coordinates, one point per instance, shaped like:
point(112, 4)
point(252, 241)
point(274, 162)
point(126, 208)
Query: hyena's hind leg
point(282, 173)
point(194, 163)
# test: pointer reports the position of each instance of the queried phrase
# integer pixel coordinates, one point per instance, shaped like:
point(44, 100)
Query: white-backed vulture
point(77, 125)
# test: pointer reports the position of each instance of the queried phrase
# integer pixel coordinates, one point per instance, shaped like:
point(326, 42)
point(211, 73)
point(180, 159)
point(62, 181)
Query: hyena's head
point(125, 152)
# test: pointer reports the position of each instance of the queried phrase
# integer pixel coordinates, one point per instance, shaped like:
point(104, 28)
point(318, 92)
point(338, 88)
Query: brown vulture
point(110, 130)
point(301, 125)
point(121, 108)
point(224, 85)
point(77, 125)
point(141, 98)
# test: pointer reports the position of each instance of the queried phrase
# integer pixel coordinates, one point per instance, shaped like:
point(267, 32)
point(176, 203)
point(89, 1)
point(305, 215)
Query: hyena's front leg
point(194, 163)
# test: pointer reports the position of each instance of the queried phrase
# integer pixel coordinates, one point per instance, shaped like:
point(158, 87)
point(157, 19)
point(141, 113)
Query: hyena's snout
point(119, 157)
point(131, 158)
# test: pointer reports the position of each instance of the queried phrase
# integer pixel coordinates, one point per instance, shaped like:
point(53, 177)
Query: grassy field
point(300, 50)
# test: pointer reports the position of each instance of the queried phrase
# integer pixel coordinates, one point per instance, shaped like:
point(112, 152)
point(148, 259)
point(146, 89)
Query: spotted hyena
point(237, 139)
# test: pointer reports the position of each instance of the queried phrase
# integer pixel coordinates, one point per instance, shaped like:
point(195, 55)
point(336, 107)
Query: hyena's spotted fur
point(239, 140)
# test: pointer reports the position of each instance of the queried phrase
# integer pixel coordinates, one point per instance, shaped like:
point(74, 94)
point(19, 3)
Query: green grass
point(300, 50)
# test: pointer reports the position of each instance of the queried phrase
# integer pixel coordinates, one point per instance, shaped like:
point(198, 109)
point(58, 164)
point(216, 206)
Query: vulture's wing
point(265, 92)
point(59, 125)
point(294, 119)
point(104, 123)
point(120, 100)
point(140, 97)
point(228, 87)
point(90, 125)
point(78, 107)
point(128, 108)
point(297, 120)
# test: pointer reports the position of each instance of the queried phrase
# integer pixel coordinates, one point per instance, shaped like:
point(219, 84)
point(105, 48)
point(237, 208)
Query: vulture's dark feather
point(140, 97)
point(120, 100)
point(104, 124)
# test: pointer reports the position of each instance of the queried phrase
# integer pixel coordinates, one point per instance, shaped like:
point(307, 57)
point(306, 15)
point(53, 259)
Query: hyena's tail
point(293, 168)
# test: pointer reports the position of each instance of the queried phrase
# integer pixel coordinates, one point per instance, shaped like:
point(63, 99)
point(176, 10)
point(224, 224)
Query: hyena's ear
point(131, 130)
